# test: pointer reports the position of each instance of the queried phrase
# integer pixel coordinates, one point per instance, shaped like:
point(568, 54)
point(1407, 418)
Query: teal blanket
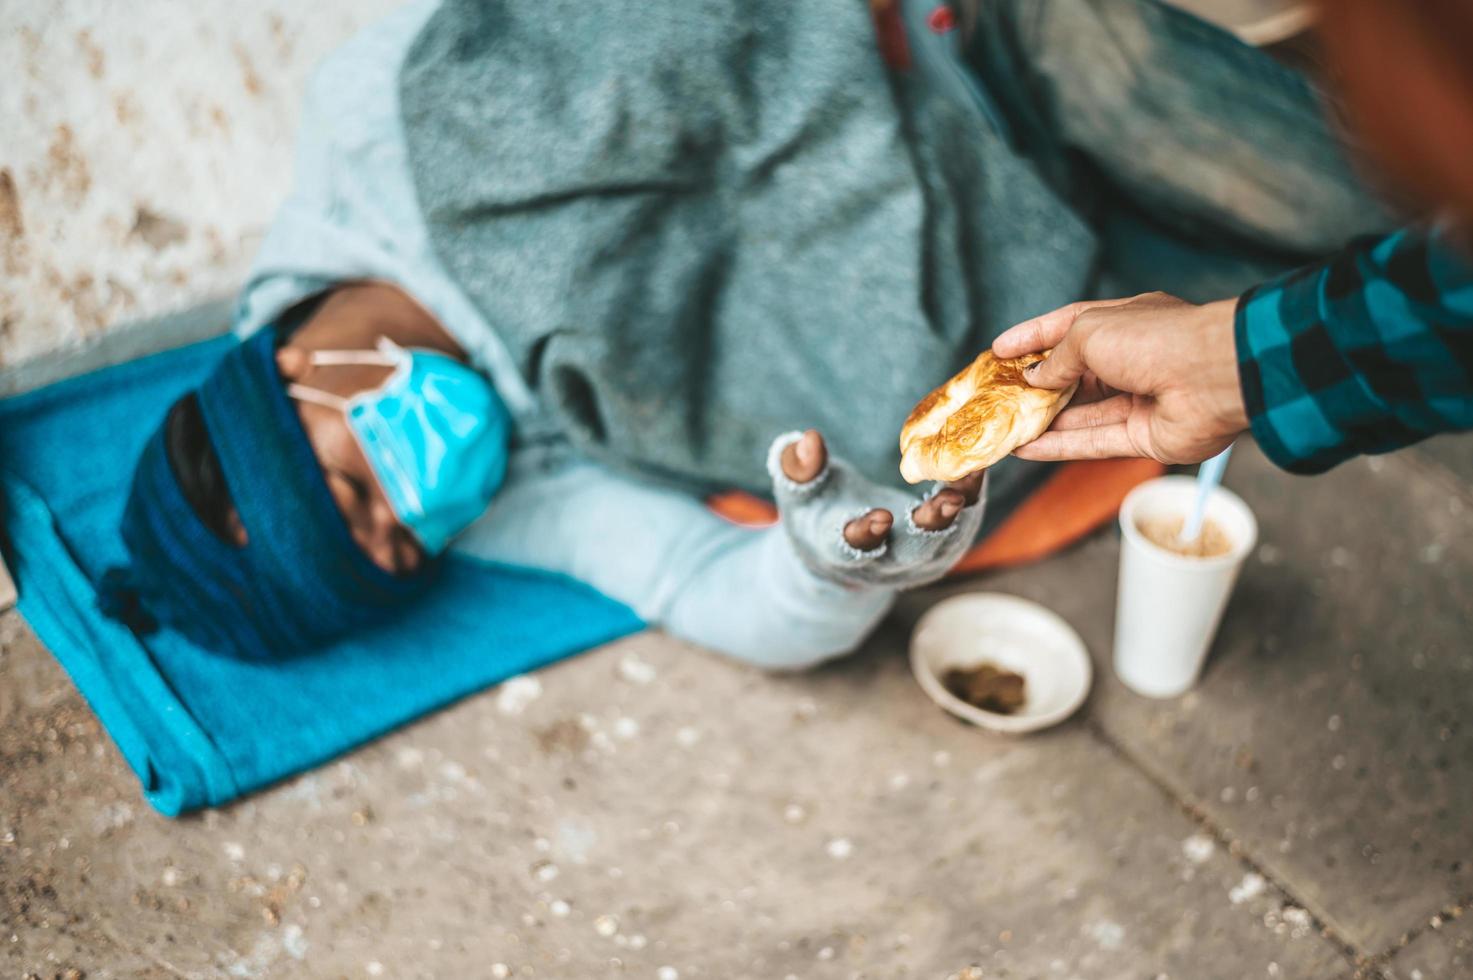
point(200, 729)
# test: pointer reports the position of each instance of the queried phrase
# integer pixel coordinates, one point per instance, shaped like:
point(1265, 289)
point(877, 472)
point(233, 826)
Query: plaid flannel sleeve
point(1366, 352)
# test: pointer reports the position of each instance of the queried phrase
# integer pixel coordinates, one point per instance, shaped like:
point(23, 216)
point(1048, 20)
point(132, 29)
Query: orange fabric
point(742, 508)
point(1072, 503)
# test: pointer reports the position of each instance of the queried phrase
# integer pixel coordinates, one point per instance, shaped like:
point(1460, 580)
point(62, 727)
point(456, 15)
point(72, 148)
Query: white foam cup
point(1168, 605)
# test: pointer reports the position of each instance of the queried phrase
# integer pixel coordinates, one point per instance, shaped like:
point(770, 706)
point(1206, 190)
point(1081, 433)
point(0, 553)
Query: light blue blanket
point(200, 729)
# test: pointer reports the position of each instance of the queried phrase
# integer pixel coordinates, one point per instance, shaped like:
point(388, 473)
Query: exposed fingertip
point(789, 461)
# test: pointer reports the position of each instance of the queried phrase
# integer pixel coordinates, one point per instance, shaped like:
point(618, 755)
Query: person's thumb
point(1065, 364)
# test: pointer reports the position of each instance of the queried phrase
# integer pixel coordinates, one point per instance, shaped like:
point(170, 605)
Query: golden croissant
point(976, 419)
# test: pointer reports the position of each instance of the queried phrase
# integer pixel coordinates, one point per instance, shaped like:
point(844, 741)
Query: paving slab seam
point(1365, 966)
point(1450, 913)
point(103, 931)
point(146, 954)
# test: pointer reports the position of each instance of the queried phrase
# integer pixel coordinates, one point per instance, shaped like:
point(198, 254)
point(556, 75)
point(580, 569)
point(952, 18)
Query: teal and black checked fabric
point(1366, 352)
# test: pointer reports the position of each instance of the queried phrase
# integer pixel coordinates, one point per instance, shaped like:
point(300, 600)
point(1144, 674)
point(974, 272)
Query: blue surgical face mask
point(435, 433)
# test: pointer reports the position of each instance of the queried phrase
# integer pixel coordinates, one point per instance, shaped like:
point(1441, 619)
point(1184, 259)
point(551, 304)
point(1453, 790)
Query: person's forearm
point(1369, 351)
point(1364, 353)
point(739, 591)
point(751, 598)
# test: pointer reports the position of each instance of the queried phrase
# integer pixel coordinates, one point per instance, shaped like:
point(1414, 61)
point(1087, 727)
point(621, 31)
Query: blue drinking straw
point(1209, 475)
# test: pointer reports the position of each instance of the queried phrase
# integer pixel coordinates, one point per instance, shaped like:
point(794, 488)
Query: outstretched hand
point(803, 460)
point(858, 534)
point(1158, 377)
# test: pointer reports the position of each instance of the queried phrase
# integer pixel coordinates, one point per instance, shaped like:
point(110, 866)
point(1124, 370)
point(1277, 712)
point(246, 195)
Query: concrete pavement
point(658, 812)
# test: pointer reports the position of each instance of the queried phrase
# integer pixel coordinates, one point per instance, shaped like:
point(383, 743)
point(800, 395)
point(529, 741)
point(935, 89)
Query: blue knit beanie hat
point(299, 582)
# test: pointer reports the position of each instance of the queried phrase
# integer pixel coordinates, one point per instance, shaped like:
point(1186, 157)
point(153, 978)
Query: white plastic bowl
point(1014, 634)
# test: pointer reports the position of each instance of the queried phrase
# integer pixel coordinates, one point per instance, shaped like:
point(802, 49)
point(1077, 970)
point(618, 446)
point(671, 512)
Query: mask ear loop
point(317, 397)
point(388, 354)
point(338, 358)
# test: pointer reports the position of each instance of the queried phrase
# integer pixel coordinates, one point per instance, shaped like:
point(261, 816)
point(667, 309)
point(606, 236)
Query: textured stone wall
point(144, 147)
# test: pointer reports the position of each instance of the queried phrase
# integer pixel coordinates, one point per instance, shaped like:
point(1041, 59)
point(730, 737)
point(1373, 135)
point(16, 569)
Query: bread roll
point(976, 419)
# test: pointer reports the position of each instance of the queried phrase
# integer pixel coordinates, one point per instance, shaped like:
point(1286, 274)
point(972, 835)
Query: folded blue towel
point(200, 729)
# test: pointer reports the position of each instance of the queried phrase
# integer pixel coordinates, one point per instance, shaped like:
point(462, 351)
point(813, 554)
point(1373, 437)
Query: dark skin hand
point(803, 460)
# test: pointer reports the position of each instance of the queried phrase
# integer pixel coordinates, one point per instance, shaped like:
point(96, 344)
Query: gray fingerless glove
point(814, 515)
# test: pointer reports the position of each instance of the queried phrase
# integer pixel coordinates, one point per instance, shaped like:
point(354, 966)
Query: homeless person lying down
point(400, 450)
point(551, 272)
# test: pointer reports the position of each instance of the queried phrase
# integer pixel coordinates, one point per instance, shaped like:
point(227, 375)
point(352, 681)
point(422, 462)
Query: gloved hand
point(843, 526)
